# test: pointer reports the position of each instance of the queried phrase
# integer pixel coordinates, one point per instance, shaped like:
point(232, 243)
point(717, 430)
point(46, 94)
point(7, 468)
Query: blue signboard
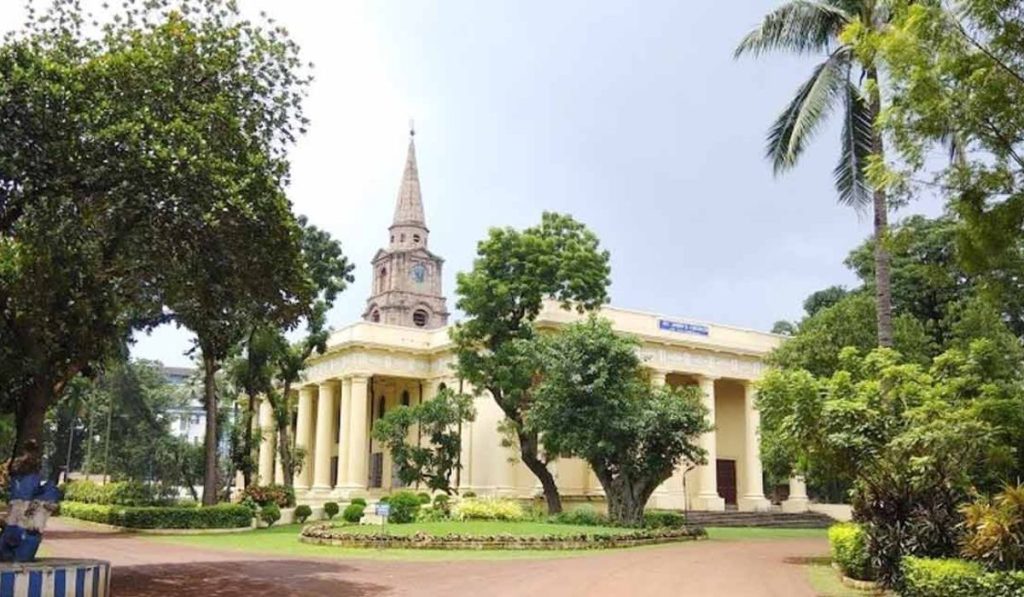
point(683, 328)
point(383, 510)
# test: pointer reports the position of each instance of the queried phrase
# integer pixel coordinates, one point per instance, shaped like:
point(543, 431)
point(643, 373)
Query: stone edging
point(853, 583)
point(327, 535)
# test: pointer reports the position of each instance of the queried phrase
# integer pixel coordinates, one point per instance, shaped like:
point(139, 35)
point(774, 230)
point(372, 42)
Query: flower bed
point(327, 534)
point(223, 516)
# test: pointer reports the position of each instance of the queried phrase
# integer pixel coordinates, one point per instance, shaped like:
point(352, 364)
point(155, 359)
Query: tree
point(440, 420)
point(825, 26)
point(596, 402)
point(823, 299)
point(502, 295)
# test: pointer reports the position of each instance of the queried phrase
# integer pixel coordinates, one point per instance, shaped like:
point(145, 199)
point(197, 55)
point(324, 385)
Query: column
point(466, 455)
point(304, 436)
point(707, 497)
point(670, 494)
point(659, 378)
point(358, 435)
point(322, 453)
point(753, 491)
point(797, 501)
point(266, 425)
point(344, 415)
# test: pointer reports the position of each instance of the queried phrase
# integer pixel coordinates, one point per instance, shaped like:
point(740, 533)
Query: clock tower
point(407, 276)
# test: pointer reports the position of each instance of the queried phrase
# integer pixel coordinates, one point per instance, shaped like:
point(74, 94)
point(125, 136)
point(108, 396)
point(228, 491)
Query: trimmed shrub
point(442, 502)
point(121, 493)
point(488, 509)
point(331, 509)
point(469, 494)
point(424, 498)
point(384, 499)
point(221, 516)
point(585, 515)
point(302, 513)
point(283, 497)
point(353, 512)
point(925, 577)
point(270, 514)
point(404, 507)
point(664, 519)
point(849, 546)
point(358, 500)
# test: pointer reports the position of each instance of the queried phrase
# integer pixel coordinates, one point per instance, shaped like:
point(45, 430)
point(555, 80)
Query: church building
point(401, 354)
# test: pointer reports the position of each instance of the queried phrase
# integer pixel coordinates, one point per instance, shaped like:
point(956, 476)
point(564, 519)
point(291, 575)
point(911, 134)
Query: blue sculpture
point(31, 504)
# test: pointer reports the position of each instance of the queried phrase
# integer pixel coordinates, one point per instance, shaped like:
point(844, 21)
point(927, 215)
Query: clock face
point(419, 273)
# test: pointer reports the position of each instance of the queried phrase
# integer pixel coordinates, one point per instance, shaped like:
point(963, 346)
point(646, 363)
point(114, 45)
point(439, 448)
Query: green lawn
point(752, 533)
point(825, 581)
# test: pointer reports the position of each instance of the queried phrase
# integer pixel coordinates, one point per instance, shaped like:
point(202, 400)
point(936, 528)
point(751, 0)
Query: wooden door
point(726, 470)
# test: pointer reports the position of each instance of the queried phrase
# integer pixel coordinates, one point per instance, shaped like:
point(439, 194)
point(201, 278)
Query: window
point(405, 398)
point(419, 317)
point(375, 316)
point(442, 387)
point(380, 407)
point(416, 238)
point(392, 238)
point(401, 238)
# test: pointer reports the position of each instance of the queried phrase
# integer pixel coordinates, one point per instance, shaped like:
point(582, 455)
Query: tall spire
point(409, 207)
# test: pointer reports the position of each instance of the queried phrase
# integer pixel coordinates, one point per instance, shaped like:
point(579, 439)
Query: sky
point(631, 116)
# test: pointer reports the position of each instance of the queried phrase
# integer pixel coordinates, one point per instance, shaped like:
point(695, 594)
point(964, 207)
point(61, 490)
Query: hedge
point(283, 496)
point(488, 509)
point(849, 547)
point(121, 493)
point(926, 577)
point(222, 516)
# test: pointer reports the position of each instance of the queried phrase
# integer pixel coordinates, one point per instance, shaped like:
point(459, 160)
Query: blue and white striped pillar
point(56, 577)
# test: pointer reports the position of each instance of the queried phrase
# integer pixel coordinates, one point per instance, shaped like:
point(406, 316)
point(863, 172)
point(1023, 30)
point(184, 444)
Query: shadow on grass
point(240, 578)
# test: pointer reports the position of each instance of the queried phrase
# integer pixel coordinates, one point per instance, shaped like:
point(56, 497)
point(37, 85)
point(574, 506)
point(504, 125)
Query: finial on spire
point(412, 127)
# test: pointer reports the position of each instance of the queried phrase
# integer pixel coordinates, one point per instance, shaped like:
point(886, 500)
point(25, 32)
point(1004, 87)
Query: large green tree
point(596, 402)
point(514, 272)
point(845, 79)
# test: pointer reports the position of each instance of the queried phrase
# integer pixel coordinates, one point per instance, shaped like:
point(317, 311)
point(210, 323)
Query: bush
point(270, 514)
point(331, 509)
point(358, 500)
point(442, 502)
point(924, 577)
point(283, 497)
point(849, 546)
point(424, 498)
point(353, 512)
point(121, 493)
point(469, 494)
point(664, 519)
point(221, 516)
point(404, 507)
point(488, 509)
point(302, 513)
point(994, 530)
point(583, 516)
point(384, 499)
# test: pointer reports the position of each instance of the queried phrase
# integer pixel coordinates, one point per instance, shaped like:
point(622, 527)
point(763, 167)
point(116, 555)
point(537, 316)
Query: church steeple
point(409, 227)
point(407, 276)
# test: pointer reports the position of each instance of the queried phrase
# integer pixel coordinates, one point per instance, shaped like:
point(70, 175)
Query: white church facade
point(401, 354)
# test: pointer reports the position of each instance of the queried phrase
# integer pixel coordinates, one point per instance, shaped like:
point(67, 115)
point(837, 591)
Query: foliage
point(848, 545)
point(221, 516)
point(845, 78)
point(994, 530)
point(584, 515)
point(514, 272)
point(331, 509)
point(439, 421)
point(664, 519)
point(442, 503)
point(424, 497)
point(121, 493)
point(595, 402)
point(404, 507)
point(302, 512)
point(488, 509)
point(283, 497)
point(270, 514)
point(926, 577)
point(353, 512)
point(358, 500)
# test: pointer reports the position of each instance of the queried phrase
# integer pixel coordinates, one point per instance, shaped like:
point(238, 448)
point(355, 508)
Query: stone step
point(804, 520)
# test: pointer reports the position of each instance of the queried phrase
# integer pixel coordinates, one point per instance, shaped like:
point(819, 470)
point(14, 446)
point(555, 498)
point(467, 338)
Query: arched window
point(375, 316)
point(442, 387)
point(383, 279)
point(419, 318)
point(405, 398)
point(401, 237)
point(416, 238)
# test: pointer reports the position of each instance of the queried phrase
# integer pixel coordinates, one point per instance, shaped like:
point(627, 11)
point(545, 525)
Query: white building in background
point(188, 421)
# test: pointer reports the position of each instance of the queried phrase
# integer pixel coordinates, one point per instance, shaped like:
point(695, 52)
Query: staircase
point(776, 520)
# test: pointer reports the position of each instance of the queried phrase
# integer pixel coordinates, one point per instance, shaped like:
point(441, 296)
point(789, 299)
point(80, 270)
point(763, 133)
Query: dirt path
point(730, 568)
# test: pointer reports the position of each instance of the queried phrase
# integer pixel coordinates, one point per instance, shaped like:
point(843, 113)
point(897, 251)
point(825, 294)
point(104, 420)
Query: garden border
point(140, 531)
point(325, 534)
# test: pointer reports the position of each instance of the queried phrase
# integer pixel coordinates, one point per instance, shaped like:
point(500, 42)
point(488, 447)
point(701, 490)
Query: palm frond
point(800, 26)
point(813, 102)
point(856, 147)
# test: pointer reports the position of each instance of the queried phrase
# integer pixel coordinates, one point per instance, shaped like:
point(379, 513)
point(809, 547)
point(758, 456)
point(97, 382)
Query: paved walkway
point(143, 567)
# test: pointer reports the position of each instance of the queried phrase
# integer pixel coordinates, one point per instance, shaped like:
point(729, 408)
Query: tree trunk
point(210, 394)
point(28, 445)
point(247, 440)
point(883, 283)
point(627, 497)
point(284, 448)
point(528, 448)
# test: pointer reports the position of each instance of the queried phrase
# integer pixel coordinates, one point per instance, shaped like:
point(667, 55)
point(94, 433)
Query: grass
point(485, 527)
point(754, 533)
point(825, 581)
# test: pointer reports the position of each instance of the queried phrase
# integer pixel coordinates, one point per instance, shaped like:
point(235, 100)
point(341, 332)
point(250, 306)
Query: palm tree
point(814, 27)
